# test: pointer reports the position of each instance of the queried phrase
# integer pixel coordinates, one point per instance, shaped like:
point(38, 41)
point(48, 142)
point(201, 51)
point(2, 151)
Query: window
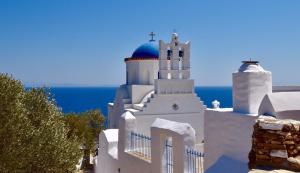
point(169, 53)
point(181, 53)
point(180, 63)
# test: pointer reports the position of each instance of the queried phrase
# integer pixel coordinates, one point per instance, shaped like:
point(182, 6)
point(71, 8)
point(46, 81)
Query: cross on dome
point(152, 34)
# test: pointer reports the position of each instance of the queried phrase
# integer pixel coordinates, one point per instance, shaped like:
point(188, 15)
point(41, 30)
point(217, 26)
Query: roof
point(280, 102)
point(146, 51)
point(149, 49)
point(250, 67)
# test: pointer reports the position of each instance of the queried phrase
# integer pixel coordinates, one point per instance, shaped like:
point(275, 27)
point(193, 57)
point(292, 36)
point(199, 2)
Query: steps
point(138, 106)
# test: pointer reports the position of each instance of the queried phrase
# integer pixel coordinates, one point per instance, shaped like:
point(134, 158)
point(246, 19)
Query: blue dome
point(147, 50)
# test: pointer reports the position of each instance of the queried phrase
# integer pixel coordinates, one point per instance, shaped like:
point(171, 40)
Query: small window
point(169, 53)
point(176, 44)
point(181, 53)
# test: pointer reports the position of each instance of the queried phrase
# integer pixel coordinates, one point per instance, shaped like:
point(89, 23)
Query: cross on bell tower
point(152, 34)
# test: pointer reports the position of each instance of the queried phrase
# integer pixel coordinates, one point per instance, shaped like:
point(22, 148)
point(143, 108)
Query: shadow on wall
point(227, 164)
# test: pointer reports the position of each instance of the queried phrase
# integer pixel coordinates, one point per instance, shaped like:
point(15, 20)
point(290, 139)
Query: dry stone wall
point(275, 144)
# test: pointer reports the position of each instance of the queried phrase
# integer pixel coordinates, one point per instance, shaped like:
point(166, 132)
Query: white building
point(157, 123)
point(159, 86)
point(156, 118)
point(228, 131)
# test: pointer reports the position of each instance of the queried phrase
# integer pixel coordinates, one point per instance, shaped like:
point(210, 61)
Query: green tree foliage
point(86, 127)
point(33, 134)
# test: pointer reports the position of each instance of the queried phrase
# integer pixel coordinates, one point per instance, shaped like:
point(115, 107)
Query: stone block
point(279, 153)
point(289, 142)
point(274, 147)
point(278, 160)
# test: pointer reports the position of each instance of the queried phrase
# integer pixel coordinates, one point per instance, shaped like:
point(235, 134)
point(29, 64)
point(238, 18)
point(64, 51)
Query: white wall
point(138, 92)
point(163, 104)
point(292, 114)
point(141, 72)
point(133, 164)
point(169, 86)
point(190, 110)
point(107, 159)
point(249, 88)
point(182, 135)
point(117, 109)
point(282, 105)
point(227, 137)
point(194, 119)
point(129, 163)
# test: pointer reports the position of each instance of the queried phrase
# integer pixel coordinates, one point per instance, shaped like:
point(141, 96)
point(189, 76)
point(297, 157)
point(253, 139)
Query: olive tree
point(34, 137)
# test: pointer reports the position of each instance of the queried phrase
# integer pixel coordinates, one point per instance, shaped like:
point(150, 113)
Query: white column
point(250, 84)
point(127, 124)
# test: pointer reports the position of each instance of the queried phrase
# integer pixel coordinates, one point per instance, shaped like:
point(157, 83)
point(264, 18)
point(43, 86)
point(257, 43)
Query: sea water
point(80, 99)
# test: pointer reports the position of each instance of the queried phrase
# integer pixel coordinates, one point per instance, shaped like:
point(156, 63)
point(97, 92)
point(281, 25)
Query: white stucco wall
point(250, 84)
point(169, 86)
point(190, 110)
point(194, 119)
point(141, 72)
point(117, 109)
point(282, 105)
point(138, 92)
point(126, 95)
point(129, 163)
point(107, 159)
point(227, 137)
point(182, 135)
point(133, 164)
point(163, 104)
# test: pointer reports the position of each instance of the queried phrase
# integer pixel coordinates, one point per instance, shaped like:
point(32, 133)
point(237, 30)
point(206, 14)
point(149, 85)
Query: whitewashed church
point(157, 124)
point(159, 86)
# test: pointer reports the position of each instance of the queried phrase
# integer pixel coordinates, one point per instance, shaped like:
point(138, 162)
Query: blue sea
point(80, 99)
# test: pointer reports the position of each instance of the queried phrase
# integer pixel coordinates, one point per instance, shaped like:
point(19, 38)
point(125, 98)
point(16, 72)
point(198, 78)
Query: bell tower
point(174, 67)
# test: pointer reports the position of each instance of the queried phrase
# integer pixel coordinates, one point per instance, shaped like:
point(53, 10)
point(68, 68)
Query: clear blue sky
point(57, 42)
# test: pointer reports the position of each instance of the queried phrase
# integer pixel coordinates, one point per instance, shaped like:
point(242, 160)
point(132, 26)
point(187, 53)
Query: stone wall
point(275, 144)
